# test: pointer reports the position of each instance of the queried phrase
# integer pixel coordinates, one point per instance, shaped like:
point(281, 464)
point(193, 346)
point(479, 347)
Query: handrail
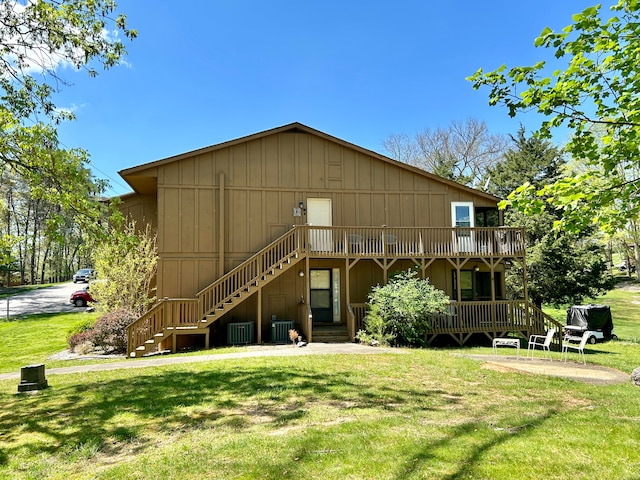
point(174, 312)
point(545, 322)
point(249, 272)
point(357, 312)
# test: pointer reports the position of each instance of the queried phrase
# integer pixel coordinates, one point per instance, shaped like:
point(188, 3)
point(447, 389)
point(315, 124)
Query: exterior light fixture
point(301, 273)
point(301, 207)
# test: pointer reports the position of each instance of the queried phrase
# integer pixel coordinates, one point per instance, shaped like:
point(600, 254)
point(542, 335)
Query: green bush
point(399, 311)
point(83, 326)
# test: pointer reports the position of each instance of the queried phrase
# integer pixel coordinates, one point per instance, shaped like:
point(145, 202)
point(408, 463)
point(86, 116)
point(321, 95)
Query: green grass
point(34, 338)
point(422, 414)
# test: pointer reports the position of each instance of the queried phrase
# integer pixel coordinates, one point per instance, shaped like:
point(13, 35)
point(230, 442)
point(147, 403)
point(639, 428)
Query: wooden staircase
point(192, 316)
point(330, 333)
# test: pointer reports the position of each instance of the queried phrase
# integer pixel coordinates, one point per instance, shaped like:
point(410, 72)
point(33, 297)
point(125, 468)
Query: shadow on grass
point(418, 460)
point(122, 411)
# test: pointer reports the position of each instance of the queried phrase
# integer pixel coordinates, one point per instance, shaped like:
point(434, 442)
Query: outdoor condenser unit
point(241, 333)
point(280, 331)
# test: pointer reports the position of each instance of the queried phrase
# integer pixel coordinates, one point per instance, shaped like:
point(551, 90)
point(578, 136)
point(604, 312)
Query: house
point(292, 227)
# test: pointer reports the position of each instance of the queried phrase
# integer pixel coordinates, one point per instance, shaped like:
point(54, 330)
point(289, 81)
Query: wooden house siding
point(258, 183)
point(214, 208)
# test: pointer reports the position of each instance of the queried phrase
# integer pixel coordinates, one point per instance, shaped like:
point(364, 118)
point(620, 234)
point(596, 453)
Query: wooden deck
point(421, 245)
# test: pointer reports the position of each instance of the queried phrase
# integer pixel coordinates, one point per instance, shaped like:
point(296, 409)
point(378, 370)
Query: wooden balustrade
point(407, 242)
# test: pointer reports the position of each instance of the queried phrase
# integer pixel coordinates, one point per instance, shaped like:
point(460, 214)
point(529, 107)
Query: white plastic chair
point(543, 341)
point(566, 345)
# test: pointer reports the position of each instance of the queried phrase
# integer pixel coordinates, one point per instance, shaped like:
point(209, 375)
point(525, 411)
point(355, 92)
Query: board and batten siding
point(264, 179)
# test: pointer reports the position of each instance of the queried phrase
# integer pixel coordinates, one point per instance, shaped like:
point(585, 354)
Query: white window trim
point(471, 212)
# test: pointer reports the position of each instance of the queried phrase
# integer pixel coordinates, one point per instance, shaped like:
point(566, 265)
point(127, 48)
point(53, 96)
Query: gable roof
point(145, 184)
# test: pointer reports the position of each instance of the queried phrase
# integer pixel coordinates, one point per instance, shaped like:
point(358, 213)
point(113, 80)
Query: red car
point(80, 298)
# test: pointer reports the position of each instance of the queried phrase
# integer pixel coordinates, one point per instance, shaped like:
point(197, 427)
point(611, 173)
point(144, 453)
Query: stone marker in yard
point(32, 378)
point(635, 376)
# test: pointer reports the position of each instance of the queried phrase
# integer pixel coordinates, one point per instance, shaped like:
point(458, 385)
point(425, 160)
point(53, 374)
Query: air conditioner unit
point(241, 333)
point(280, 331)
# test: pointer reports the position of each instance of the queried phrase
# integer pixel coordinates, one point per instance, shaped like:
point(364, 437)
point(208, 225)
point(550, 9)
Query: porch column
point(347, 295)
point(259, 315)
point(525, 290)
point(307, 286)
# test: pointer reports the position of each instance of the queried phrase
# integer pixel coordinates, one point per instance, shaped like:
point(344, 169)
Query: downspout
point(221, 229)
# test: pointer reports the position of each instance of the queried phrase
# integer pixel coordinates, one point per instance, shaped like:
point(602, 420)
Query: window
point(476, 285)
point(487, 217)
point(462, 214)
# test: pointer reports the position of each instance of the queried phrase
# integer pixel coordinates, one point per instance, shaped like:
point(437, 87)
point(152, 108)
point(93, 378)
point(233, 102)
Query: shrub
point(110, 332)
point(399, 311)
point(80, 339)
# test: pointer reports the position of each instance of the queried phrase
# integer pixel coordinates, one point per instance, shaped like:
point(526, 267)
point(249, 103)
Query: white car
point(83, 275)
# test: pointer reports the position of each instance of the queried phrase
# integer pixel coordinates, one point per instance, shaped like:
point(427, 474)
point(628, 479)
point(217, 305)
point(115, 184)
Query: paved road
point(44, 300)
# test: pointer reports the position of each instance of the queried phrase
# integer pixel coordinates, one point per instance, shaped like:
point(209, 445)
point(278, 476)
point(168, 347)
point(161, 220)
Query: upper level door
point(319, 214)
point(462, 217)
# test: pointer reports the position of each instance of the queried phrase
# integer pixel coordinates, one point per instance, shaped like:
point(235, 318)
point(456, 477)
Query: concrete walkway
point(253, 351)
point(593, 374)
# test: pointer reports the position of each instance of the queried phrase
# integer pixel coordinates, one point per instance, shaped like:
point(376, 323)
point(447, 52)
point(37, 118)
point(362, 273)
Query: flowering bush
point(80, 339)
point(110, 331)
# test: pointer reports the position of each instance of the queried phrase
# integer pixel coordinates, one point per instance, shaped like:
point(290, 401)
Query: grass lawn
point(423, 414)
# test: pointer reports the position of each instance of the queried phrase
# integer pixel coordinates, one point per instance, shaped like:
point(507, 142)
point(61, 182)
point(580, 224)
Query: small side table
point(506, 342)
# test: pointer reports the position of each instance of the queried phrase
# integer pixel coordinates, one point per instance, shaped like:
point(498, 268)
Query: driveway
point(44, 300)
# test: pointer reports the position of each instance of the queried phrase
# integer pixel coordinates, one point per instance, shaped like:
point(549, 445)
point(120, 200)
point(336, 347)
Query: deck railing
point(408, 242)
point(478, 317)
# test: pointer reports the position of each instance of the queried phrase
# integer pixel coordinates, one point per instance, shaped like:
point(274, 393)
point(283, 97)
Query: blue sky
point(206, 71)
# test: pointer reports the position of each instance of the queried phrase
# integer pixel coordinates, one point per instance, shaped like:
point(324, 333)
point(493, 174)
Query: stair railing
point(250, 272)
point(541, 322)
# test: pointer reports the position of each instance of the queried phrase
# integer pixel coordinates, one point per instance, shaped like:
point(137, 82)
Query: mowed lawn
point(421, 414)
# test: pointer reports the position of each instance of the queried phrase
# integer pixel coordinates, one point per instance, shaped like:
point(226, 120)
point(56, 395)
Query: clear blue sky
point(206, 71)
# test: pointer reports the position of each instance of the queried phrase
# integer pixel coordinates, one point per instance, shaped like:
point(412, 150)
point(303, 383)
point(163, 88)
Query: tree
point(399, 311)
point(126, 264)
point(37, 38)
point(530, 160)
point(562, 267)
point(596, 86)
point(461, 152)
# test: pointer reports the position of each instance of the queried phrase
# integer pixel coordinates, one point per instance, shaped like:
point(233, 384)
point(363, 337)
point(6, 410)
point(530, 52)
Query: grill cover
point(591, 317)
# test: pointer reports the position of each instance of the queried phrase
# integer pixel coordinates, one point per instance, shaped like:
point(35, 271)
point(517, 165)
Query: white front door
point(319, 215)
point(462, 218)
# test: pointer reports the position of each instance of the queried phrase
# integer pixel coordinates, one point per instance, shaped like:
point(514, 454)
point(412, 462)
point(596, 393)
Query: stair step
point(331, 334)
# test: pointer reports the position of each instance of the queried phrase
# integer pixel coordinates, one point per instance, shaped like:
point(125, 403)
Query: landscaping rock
point(635, 376)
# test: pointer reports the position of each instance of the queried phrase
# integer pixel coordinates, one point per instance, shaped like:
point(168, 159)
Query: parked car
point(80, 298)
point(83, 275)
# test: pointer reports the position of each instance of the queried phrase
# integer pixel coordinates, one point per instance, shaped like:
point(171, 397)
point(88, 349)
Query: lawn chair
point(566, 345)
point(543, 341)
